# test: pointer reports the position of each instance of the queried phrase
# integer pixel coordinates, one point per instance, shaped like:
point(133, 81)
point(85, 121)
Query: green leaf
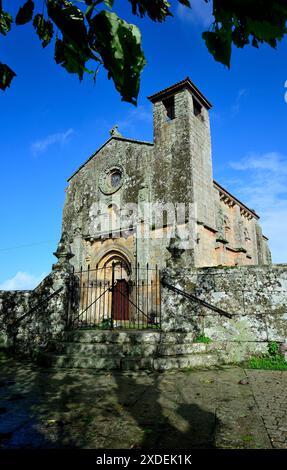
point(44, 29)
point(6, 76)
point(119, 45)
point(73, 51)
point(219, 45)
point(242, 22)
point(239, 37)
point(69, 19)
point(68, 55)
point(5, 22)
point(186, 3)
point(157, 10)
point(25, 13)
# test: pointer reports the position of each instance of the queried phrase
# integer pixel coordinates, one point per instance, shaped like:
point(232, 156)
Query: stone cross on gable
point(114, 132)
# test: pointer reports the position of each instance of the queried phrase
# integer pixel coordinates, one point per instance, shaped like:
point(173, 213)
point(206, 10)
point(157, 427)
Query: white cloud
point(199, 15)
point(236, 107)
point(22, 281)
point(264, 188)
point(272, 161)
point(40, 146)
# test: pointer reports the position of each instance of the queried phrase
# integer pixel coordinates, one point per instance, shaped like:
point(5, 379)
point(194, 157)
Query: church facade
point(123, 203)
point(154, 255)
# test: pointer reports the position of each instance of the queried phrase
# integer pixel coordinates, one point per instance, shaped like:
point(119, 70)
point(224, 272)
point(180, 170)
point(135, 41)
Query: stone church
point(154, 255)
point(176, 168)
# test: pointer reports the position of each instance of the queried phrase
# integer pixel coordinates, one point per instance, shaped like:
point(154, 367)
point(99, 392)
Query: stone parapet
point(30, 319)
point(256, 297)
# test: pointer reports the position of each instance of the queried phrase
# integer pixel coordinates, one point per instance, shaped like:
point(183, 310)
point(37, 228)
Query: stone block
point(185, 362)
point(137, 363)
point(166, 349)
point(276, 328)
point(240, 328)
point(79, 361)
point(234, 352)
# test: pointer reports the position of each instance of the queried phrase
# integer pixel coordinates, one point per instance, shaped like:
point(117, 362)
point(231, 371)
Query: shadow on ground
point(64, 408)
point(41, 408)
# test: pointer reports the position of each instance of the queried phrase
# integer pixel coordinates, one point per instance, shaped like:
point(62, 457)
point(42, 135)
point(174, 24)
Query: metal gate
point(116, 296)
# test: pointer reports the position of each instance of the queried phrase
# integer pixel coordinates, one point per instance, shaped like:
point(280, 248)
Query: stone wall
point(239, 238)
point(47, 319)
point(255, 296)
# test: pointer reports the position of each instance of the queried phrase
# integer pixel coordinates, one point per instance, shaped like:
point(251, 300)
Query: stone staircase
point(128, 350)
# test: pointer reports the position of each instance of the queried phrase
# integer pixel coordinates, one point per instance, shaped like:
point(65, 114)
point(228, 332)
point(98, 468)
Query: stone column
point(63, 254)
point(178, 313)
point(62, 275)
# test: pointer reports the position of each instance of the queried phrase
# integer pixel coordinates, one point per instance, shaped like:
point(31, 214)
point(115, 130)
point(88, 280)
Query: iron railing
point(194, 298)
point(116, 296)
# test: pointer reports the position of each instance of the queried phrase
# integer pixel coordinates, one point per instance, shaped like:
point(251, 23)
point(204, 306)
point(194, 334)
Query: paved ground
point(220, 408)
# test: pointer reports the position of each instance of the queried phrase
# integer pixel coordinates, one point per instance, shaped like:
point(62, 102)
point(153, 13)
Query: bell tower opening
point(169, 108)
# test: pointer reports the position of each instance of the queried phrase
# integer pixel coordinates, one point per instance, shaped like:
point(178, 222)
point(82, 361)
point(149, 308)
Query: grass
point(266, 362)
point(202, 339)
point(273, 360)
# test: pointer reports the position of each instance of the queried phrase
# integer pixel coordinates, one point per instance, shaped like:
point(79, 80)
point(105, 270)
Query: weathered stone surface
point(79, 361)
point(104, 349)
point(167, 349)
point(141, 363)
point(260, 318)
point(134, 350)
point(191, 361)
point(234, 352)
point(276, 327)
point(243, 328)
point(113, 336)
point(175, 168)
point(271, 398)
point(44, 320)
point(255, 296)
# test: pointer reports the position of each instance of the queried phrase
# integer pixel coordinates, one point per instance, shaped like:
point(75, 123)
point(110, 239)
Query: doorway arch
point(114, 269)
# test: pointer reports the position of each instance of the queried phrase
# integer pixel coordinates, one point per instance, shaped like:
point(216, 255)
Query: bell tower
point(182, 149)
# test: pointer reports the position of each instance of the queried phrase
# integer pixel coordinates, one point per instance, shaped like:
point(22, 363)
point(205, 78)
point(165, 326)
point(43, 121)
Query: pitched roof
point(134, 141)
point(186, 83)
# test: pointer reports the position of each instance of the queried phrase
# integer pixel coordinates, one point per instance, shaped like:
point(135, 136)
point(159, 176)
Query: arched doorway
point(117, 271)
point(105, 292)
point(112, 293)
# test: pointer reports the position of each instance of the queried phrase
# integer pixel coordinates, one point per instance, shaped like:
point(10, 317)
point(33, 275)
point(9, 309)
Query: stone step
point(183, 349)
point(163, 363)
point(126, 336)
point(128, 349)
point(103, 349)
point(190, 361)
point(79, 361)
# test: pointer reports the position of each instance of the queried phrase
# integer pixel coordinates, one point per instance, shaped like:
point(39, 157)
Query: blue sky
point(50, 124)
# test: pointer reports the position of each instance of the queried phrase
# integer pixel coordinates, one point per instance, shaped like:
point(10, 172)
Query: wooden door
point(121, 300)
